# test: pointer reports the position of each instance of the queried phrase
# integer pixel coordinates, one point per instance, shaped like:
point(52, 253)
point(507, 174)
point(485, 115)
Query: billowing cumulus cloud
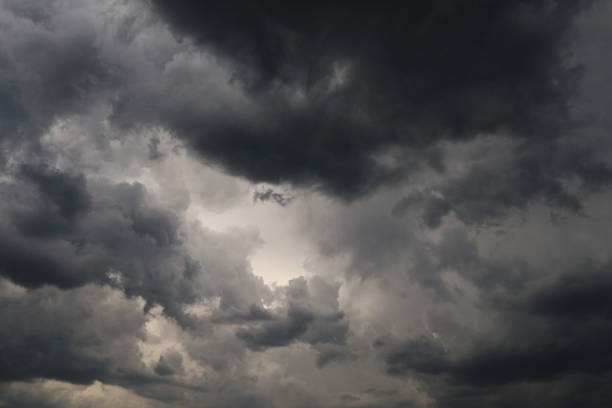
point(312, 316)
point(259, 204)
point(367, 78)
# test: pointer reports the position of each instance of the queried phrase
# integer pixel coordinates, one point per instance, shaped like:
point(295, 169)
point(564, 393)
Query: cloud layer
point(258, 204)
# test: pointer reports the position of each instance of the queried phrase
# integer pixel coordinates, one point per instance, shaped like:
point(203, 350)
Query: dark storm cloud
point(271, 195)
point(459, 253)
point(551, 359)
point(422, 355)
point(79, 336)
point(170, 363)
point(473, 108)
point(253, 314)
point(312, 316)
point(577, 296)
point(39, 337)
point(46, 72)
point(333, 353)
point(279, 333)
point(44, 204)
point(488, 190)
point(60, 199)
point(67, 233)
point(581, 390)
point(336, 84)
point(298, 325)
point(561, 329)
point(380, 246)
point(59, 204)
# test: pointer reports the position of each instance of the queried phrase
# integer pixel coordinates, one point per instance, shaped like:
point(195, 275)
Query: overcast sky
point(334, 204)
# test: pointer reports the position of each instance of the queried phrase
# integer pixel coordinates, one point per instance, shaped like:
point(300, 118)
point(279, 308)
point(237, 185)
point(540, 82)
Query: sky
point(324, 204)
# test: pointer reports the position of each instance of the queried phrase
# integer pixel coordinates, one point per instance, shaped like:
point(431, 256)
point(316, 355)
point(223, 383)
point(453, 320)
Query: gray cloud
point(453, 85)
point(451, 164)
point(39, 336)
point(489, 190)
point(170, 363)
point(49, 68)
point(270, 195)
point(312, 316)
point(542, 340)
point(67, 233)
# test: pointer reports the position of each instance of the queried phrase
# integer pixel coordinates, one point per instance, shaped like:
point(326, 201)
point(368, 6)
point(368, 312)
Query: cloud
point(59, 199)
point(331, 353)
point(491, 188)
point(50, 66)
point(331, 93)
point(448, 247)
point(170, 363)
point(40, 340)
point(68, 233)
point(56, 394)
point(270, 194)
point(532, 348)
point(312, 316)
point(580, 295)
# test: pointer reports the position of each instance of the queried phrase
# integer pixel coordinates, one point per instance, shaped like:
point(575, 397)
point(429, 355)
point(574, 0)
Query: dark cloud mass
point(307, 319)
point(271, 195)
point(39, 337)
point(324, 204)
point(337, 84)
